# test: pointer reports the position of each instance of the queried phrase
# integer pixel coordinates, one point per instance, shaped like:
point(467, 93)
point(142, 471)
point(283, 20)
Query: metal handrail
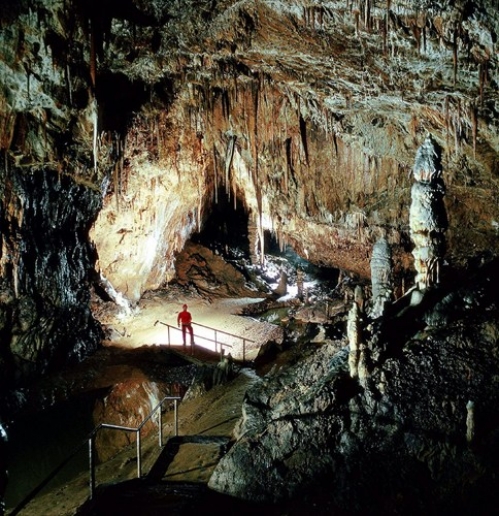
point(215, 340)
point(90, 442)
point(91, 439)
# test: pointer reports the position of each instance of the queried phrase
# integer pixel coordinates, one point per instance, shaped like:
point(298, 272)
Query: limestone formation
point(358, 297)
point(282, 286)
point(300, 276)
point(470, 421)
point(312, 431)
point(120, 123)
point(363, 365)
point(427, 216)
point(381, 277)
point(354, 338)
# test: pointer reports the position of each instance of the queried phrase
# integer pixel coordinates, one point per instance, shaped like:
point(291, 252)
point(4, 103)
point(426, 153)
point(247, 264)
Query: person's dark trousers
point(185, 328)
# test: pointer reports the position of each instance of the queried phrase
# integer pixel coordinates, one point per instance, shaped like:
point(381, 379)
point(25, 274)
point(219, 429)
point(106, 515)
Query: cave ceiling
point(120, 121)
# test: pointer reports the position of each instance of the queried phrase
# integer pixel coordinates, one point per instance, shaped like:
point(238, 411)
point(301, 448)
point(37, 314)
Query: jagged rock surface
point(45, 265)
point(398, 442)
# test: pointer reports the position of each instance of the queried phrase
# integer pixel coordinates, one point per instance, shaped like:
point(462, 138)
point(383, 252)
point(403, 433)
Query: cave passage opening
point(225, 230)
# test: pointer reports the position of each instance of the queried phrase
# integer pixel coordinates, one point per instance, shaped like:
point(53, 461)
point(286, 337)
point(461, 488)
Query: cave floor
point(147, 324)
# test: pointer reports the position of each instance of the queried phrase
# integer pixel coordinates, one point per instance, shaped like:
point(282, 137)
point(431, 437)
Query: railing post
point(175, 402)
point(160, 426)
point(91, 465)
point(169, 342)
point(139, 458)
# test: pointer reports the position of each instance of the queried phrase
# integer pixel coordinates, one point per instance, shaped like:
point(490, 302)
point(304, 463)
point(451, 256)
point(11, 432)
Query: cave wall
point(310, 113)
point(46, 264)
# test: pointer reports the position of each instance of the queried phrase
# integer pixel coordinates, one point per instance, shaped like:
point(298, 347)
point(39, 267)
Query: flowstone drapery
point(427, 216)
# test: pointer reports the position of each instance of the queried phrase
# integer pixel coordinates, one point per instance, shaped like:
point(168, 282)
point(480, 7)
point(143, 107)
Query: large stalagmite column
point(381, 277)
point(427, 216)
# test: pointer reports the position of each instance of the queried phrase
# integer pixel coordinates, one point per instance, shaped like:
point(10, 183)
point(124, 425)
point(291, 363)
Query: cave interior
point(317, 179)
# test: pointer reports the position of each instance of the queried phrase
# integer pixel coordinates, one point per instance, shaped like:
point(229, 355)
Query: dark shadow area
point(225, 230)
point(119, 98)
point(171, 449)
point(39, 443)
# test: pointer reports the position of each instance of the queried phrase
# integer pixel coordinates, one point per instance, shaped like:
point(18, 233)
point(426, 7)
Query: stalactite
point(483, 76)
point(474, 126)
point(386, 28)
point(228, 159)
point(253, 241)
point(95, 132)
point(367, 14)
point(457, 127)
point(303, 135)
point(28, 81)
point(261, 237)
point(424, 32)
point(93, 56)
point(454, 53)
point(215, 173)
point(356, 14)
point(447, 123)
point(68, 84)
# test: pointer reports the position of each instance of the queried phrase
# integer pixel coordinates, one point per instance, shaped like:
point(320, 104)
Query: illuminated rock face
point(157, 105)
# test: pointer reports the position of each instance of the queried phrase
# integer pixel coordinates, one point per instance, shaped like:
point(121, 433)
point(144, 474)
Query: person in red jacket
point(185, 319)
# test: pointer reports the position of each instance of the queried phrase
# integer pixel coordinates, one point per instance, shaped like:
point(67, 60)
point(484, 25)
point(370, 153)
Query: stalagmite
point(300, 275)
point(358, 296)
point(427, 216)
point(254, 242)
point(470, 421)
point(363, 364)
point(381, 277)
point(353, 333)
point(282, 287)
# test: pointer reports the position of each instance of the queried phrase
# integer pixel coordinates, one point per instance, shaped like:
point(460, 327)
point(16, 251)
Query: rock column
point(381, 277)
point(427, 216)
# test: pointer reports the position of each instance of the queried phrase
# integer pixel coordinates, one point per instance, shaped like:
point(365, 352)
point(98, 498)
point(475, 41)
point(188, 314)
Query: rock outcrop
point(417, 435)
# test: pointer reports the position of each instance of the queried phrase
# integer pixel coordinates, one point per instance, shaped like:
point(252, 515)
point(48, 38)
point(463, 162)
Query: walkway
point(176, 481)
point(142, 328)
